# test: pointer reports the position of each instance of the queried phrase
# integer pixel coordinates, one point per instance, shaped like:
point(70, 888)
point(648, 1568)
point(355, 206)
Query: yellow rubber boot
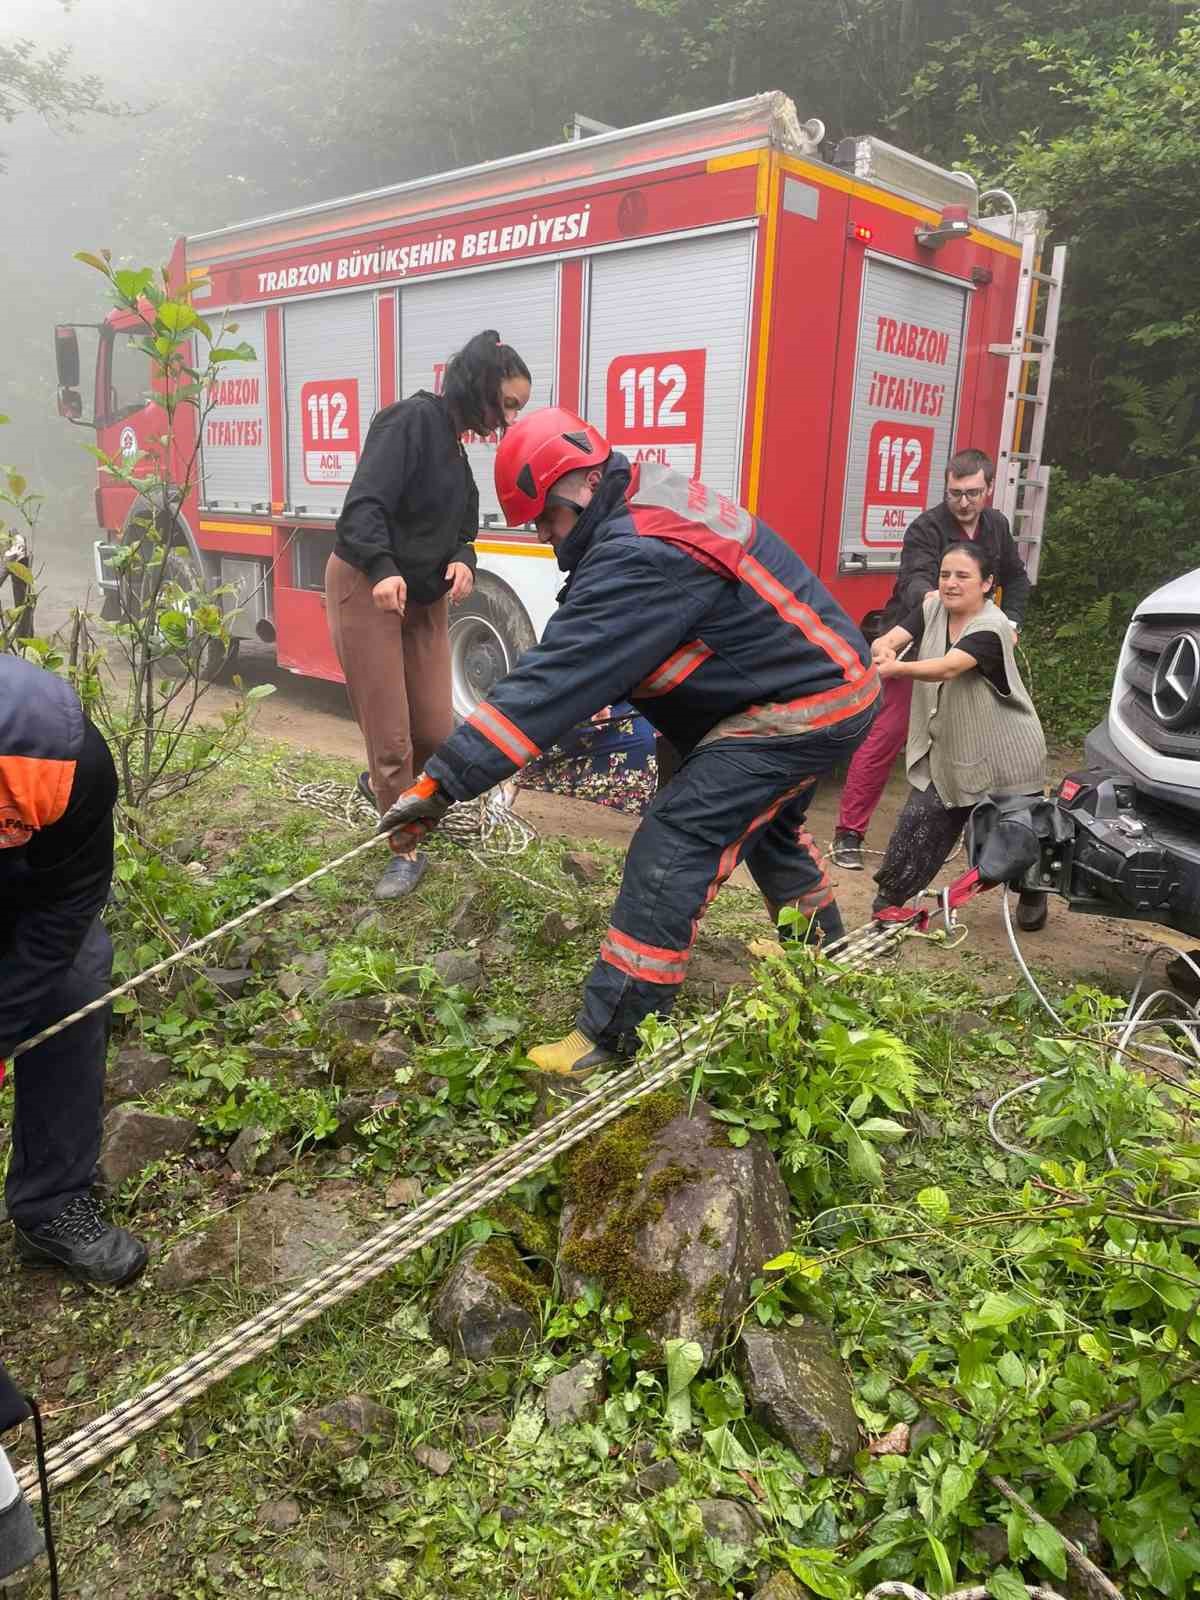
point(573, 1057)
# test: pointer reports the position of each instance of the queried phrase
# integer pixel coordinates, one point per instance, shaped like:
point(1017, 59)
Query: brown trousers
point(397, 673)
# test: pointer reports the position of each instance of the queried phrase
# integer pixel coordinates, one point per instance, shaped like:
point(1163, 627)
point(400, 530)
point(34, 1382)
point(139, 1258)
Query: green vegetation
point(1032, 1321)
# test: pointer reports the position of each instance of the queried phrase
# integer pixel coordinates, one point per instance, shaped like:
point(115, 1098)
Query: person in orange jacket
point(57, 791)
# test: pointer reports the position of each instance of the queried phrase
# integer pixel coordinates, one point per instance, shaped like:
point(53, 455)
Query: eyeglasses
point(965, 494)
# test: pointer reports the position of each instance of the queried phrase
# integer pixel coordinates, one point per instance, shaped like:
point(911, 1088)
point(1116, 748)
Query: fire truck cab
point(811, 329)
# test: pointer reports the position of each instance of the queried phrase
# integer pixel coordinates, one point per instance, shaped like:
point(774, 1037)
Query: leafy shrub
point(1109, 542)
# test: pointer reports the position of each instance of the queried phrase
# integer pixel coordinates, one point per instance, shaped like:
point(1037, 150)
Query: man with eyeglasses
point(962, 513)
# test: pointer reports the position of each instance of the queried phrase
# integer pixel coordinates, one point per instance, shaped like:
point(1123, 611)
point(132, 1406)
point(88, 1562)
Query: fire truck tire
point(216, 658)
point(489, 632)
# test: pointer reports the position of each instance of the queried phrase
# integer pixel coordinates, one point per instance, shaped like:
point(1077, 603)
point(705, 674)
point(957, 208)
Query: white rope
point(488, 822)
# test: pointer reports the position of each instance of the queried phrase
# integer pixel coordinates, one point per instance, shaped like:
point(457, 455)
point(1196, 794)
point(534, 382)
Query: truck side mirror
point(66, 358)
point(70, 404)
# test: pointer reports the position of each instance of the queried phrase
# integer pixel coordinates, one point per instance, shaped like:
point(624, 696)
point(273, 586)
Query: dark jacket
point(685, 604)
point(926, 540)
point(57, 790)
point(413, 507)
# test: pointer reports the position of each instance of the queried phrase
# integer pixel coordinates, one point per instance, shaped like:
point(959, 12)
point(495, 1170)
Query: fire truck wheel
point(488, 632)
point(214, 657)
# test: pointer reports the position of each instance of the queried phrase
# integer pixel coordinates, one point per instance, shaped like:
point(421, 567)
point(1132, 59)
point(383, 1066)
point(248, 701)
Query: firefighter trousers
point(58, 1093)
point(730, 801)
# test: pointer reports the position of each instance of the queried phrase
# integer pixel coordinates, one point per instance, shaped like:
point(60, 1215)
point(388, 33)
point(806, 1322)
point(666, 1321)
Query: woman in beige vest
point(972, 732)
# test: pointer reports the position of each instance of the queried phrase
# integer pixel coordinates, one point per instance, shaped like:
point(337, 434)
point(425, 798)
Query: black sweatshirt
point(413, 507)
point(926, 540)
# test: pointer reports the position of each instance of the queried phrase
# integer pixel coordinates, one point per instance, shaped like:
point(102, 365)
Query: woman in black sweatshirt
point(404, 550)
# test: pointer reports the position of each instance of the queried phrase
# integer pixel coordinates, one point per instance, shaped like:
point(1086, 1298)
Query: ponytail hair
point(471, 386)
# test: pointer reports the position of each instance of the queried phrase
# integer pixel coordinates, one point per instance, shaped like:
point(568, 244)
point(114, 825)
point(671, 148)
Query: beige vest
point(965, 738)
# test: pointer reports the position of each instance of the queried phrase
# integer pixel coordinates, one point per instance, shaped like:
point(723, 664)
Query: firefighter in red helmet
point(682, 602)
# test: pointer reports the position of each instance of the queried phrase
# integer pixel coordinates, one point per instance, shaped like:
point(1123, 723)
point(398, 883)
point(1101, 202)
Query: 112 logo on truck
point(329, 421)
point(655, 407)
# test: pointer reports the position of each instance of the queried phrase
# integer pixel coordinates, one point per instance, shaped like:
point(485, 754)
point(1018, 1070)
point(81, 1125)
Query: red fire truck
point(810, 328)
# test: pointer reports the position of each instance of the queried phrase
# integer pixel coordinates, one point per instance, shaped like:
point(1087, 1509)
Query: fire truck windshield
point(128, 375)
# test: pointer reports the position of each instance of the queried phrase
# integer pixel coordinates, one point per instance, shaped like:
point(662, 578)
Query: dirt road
point(313, 715)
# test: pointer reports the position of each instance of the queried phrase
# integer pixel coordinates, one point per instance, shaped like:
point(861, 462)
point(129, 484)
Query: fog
point(222, 112)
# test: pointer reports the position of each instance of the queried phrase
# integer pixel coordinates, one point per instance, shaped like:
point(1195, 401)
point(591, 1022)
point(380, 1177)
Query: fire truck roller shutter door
point(235, 471)
point(667, 350)
point(907, 376)
point(329, 361)
point(438, 318)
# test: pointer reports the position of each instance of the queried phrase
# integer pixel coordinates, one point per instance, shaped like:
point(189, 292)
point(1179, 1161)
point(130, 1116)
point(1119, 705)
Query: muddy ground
point(313, 715)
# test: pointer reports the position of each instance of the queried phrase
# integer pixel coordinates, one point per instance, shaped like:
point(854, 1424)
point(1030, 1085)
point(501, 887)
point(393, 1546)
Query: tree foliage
point(42, 81)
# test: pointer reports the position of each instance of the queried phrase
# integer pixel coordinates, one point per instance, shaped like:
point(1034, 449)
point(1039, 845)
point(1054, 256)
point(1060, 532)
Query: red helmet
point(534, 455)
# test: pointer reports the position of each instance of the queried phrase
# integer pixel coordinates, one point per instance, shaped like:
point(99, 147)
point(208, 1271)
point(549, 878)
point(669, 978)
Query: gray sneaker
point(401, 876)
point(848, 850)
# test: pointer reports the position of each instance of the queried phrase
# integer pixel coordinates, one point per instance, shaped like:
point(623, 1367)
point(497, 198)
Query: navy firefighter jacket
point(57, 789)
point(682, 602)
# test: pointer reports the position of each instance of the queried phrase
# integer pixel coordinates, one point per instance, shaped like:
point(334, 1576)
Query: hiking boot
point(575, 1056)
point(848, 850)
point(401, 876)
point(1033, 908)
point(79, 1239)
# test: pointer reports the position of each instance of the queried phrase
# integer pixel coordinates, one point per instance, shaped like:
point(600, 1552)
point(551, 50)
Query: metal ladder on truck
point(1022, 480)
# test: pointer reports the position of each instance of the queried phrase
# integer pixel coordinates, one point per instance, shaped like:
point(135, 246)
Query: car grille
point(1147, 640)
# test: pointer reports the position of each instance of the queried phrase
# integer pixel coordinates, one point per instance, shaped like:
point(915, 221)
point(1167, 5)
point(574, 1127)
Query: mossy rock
point(670, 1220)
point(489, 1305)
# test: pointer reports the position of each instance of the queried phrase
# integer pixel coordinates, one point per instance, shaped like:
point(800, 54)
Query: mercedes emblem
point(1175, 694)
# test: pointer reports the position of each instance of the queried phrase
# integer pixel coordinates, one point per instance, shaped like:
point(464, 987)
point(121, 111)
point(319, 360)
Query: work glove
point(417, 812)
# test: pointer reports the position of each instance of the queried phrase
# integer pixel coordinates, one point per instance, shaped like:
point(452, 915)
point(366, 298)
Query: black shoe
point(79, 1239)
point(401, 876)
point(1032, 910)
point(848, 850)
point(364, 788)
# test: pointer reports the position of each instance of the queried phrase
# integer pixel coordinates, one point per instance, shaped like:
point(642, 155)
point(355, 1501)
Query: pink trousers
point(872, 763)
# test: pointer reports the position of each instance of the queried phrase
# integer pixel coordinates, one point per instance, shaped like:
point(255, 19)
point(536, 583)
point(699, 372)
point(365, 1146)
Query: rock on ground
point(231, 981)
point(253, 1151)
point(797, 1389)
point(339, 1431)
point(574, 1395)
point(402, 1193)
point(274, 1238)
point(277, 1516)
point(135, 1075)
point(557, 929)
point(488, 1303)
point(360, 1018)
point(668, 1215)
point(462, 969)
point(730, 1521)
point(659, 1475)
point(583, 866)
point(133, 1139)
point(392, 1050)
point(780, 1586)
point(485, 1425)
point(432, 1459)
